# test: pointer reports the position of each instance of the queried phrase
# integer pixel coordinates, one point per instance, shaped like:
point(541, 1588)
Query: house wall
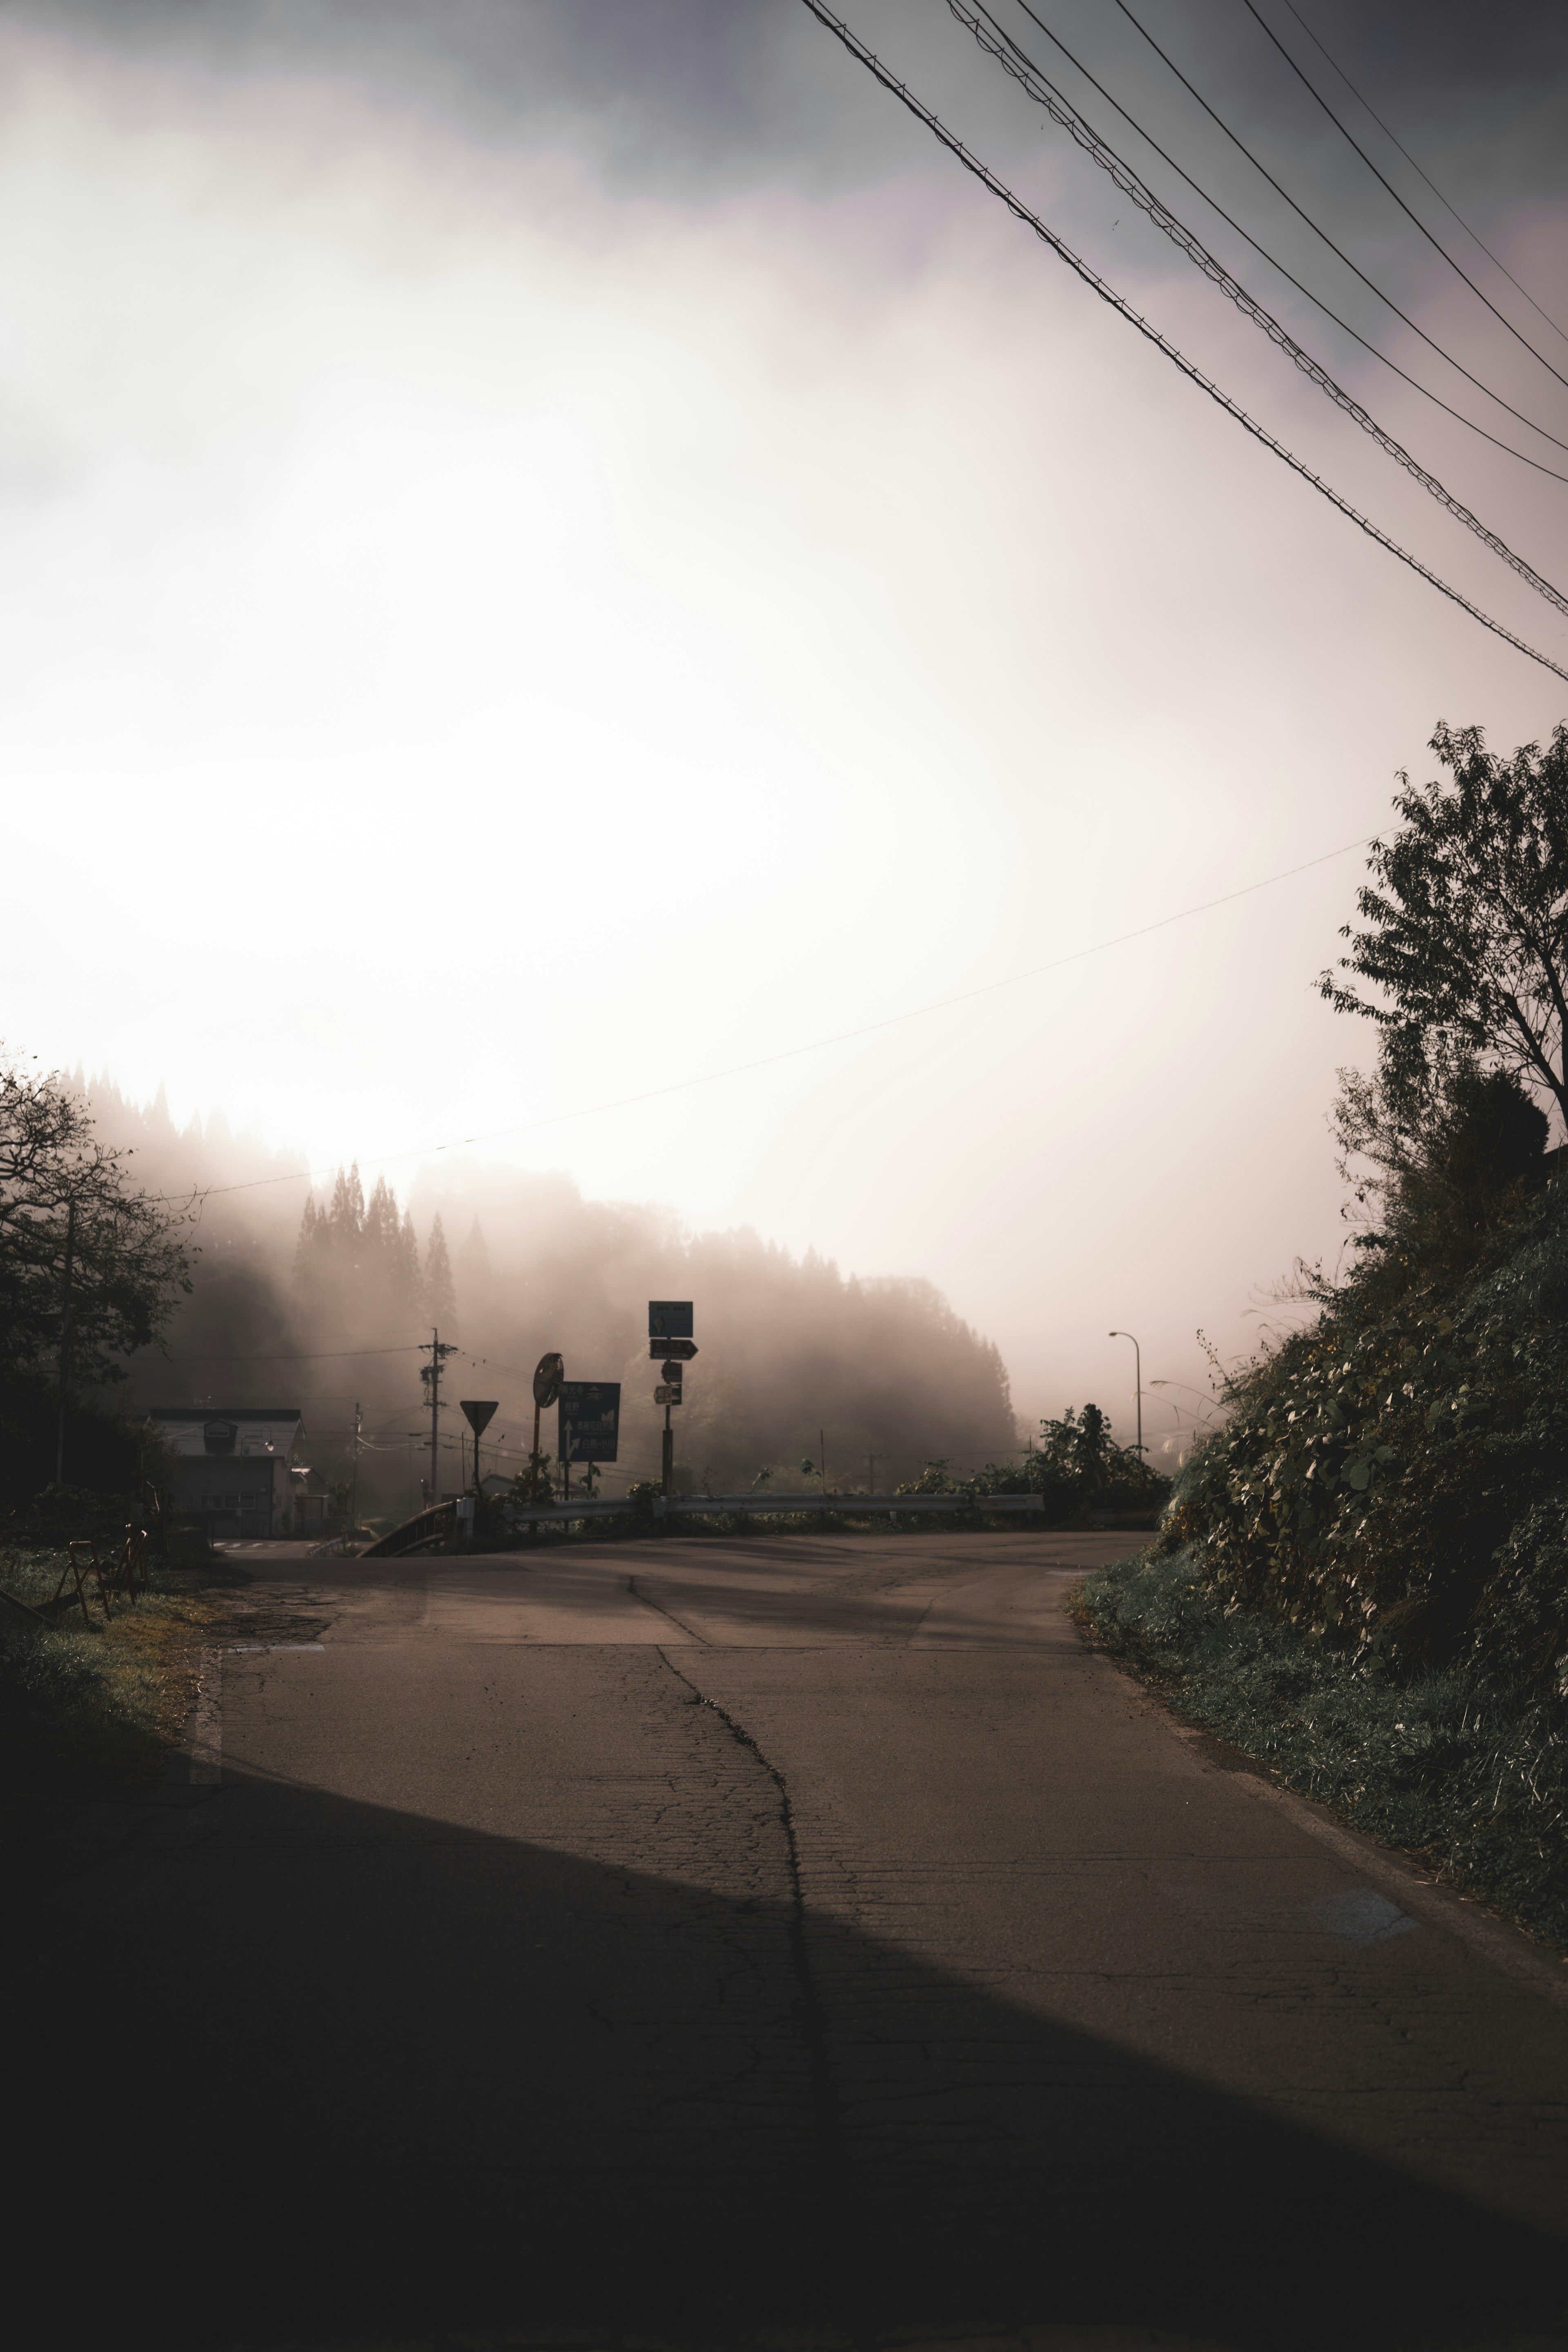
point(232, 1494)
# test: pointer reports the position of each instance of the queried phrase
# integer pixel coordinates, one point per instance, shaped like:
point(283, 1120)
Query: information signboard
point(670, 1318)
point(589, 1418)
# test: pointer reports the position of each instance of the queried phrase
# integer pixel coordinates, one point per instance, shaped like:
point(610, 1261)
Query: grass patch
point(101, 1703)
point(1471, 1779)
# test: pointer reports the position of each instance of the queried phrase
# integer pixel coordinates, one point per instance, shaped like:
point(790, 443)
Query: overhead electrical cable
point(794, 1053)
point(998, 43)
point(1272, 259)
point(1309, 84)
point(1021, 212)
point(1363, 101)
point(1301, 214)
point(290, 1355)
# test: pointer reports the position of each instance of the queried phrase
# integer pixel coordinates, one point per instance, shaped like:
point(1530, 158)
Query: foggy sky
point(553, 550)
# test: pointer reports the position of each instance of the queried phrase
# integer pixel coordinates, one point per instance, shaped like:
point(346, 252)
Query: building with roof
point(233, 1467)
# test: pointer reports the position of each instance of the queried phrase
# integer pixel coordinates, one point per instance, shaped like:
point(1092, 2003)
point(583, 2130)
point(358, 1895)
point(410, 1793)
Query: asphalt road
point(790, 1942)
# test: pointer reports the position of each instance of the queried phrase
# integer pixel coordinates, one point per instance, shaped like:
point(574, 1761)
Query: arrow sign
point(680, 1351)
point(590, 1419)
point(477, 1416)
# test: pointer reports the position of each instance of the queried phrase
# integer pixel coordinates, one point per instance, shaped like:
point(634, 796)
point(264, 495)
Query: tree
point(357, 1264)
point(1441, 1158)
point(440, 1301)
point(90, 1267)
point(1467, 928)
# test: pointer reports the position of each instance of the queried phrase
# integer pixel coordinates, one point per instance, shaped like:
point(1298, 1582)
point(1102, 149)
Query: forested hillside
point(1363, 1574)
point(326, 1305)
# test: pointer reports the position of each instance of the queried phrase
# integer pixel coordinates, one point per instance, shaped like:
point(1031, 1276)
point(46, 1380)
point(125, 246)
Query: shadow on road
point(352, 2072)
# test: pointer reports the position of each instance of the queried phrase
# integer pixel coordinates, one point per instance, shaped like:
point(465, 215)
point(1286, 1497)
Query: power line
point(788, 1053)
point(1273, 260)
point(1301, 214)
point(1308, 84)
point(1108, 293)
point(293, 1355)
point(1000, 45)
point(1436, 191)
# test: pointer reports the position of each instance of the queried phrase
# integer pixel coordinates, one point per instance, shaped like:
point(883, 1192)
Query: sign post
point(669, 1335)
point(478, 1416)
point(548, 1375)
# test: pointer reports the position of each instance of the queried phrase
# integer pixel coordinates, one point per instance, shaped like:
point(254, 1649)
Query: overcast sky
point(553, 551)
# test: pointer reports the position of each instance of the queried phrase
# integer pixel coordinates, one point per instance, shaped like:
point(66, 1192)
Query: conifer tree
point(474, 1267)
point(440, 1300)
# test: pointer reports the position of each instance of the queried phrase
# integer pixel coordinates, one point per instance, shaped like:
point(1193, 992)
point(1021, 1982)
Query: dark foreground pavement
point(792, 1942)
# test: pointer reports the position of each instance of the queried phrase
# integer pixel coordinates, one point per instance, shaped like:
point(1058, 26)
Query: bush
point(1076, 1467)
point(1395, 1479)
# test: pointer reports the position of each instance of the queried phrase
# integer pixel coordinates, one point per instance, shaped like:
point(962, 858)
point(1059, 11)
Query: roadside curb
point(1493, 1937)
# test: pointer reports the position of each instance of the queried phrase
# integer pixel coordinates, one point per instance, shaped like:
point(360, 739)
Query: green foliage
point(933, 1480)
point(1473, 1779)
point(1362, 1575)
point(102, 1454)
point(1076, 1466)
point(1466, 938)
point(90, 1267)
point(85, 1704)
point(1389, 1478)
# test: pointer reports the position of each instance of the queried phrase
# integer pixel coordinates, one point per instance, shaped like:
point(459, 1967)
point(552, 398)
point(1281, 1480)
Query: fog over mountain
point(568, 577)
point(328, 1308)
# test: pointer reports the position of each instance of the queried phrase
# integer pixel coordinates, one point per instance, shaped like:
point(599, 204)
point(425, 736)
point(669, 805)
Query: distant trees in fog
point(326, 1308)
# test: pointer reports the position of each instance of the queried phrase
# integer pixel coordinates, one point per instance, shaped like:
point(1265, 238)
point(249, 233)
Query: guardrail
point(447, 1519)
point(855, 1507)
point(424, 1528)
point(602, 1506)
point(714, 1506)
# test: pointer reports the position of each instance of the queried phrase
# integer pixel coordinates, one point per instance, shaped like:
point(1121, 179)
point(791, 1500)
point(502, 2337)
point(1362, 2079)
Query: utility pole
point(871, 1472)
point(1138, 1376)
point(822, 1449)
point(354, 1487)
point(431, 1372)
point(435, 1412)
point(65, 1340)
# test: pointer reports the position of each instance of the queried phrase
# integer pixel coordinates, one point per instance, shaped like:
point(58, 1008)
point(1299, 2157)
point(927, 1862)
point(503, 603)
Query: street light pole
point(1138, 1376)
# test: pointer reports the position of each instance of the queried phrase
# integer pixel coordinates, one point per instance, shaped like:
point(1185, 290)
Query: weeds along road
point(787, 1941)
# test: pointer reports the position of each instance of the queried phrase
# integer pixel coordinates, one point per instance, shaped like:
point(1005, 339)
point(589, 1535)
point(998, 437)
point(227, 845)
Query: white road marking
point(249, 1649)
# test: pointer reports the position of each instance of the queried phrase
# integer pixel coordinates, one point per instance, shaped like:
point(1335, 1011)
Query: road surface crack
point(690, 1630)
point(832, 2170)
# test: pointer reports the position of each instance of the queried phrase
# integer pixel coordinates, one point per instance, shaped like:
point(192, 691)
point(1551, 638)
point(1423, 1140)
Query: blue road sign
point(590, 1419)
point(670, 1318)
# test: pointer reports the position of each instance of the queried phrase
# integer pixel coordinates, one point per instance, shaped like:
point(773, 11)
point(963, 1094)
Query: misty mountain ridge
point(328, 1306)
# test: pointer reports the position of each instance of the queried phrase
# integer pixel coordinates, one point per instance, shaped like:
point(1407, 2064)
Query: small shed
point(233, 1465)
point(315, 1503)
